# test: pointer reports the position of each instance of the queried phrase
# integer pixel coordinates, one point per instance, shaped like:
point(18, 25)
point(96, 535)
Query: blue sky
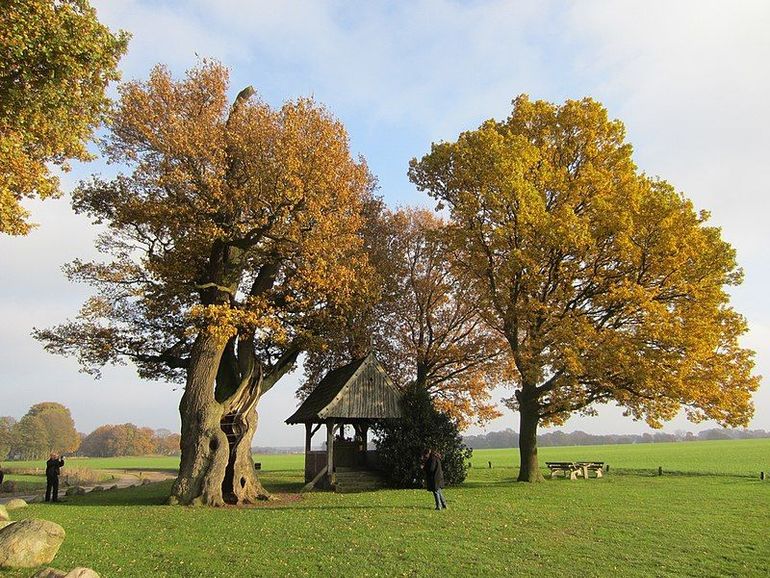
point(689, 79)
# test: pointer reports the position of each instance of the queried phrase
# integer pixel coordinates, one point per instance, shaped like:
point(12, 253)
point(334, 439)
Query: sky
point(689, 79)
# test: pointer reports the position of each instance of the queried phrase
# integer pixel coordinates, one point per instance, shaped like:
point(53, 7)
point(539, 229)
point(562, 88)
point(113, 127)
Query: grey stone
point(15, 504)
point(29, 543)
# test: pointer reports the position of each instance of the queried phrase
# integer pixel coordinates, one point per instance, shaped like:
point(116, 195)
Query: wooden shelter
point(356, 394)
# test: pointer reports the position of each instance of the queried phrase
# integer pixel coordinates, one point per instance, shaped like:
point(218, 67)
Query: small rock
point(35, 499)
point(146, 482)
point(97, 489)
point(115, 487)
point(29, 543)
point(15, 504)
point(75, 491)
point(4, 514)
point(49, 573)
point(8, 486)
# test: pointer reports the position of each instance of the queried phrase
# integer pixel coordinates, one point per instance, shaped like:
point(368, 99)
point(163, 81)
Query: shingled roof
point(359, 390)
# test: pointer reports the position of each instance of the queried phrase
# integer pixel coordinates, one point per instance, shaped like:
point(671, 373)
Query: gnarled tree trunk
point(216, 465)
point(204, 445)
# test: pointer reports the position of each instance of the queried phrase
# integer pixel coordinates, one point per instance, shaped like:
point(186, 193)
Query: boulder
point(35, 499)
point(4, 523)
point(29, 543)
point(8, 487)
point(146, 482)
point(15, 504)
point(4, 514)
point(115, 487)
point(75, 491)
point(97, 489)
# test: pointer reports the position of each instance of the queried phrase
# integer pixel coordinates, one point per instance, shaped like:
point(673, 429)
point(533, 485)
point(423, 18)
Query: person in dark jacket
point(52, 469)
point(2, 475)
point(434, 476)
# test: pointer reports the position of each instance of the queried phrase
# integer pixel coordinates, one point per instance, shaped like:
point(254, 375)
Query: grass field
point(712, 518)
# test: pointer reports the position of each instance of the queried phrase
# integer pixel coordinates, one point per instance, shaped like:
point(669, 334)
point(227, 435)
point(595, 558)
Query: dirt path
point(123, 479)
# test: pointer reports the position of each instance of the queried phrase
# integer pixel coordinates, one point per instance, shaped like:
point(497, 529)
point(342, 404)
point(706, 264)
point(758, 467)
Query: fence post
point(660, 470)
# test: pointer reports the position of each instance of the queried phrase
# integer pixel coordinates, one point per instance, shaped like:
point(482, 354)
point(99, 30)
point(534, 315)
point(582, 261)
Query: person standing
point(2, 475)
point(52, 469)
point(434, 477)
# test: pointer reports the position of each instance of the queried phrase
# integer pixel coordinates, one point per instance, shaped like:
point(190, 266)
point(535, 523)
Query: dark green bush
point(401, 443)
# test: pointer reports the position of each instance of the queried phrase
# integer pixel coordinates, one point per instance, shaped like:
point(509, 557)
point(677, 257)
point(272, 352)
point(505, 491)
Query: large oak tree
point(56, 60)
point(607, 284)
point(233, 239)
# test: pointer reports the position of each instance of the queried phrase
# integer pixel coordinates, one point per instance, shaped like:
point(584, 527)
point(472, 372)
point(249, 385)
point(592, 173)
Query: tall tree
point(61, 435)
point(607, 285)
point(118, 440)
point(233, 237)
point(56, 60)
point(29, 439)
point(421, 319)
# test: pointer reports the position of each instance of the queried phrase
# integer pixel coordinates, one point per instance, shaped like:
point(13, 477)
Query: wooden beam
point(310, 485)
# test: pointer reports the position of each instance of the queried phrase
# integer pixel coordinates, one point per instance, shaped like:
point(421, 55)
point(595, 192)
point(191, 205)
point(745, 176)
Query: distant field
point(731, 457)
point(269, 462)
point(728, 457)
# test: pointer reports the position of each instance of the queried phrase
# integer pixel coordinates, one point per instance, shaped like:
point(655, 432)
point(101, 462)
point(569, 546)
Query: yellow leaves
point(601, 278)
point(56, 61)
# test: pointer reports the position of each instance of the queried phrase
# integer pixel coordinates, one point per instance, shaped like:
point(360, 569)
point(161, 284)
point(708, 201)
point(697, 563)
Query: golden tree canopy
point(607, 284)
point(56, 60)
point(242, 219)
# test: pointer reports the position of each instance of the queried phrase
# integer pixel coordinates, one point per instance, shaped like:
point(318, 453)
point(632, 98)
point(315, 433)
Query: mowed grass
point(630, 523)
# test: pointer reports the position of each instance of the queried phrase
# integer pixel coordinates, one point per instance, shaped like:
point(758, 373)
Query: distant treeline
point(48, 427)
point(510, 439)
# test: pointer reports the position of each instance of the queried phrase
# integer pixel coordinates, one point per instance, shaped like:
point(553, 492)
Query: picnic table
point(575, 469)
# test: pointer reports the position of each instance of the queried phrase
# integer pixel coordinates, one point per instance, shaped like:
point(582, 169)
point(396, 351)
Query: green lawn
point(631, 523)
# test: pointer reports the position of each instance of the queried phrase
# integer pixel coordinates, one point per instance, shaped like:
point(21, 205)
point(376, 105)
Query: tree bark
point(204, 444)
point(529, 469)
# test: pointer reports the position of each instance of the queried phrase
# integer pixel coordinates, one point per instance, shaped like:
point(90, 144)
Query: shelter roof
point(359, 390)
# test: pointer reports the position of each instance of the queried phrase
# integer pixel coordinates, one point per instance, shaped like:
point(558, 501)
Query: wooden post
point(308, 436)
point(330, 452)
point(761, 475)
point(660, 470)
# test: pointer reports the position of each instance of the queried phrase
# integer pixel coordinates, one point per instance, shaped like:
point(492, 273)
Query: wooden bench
point(597, 467)
point(570, 469)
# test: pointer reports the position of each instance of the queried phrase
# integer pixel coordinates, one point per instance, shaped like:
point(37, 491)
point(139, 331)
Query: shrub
point(401, 443)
